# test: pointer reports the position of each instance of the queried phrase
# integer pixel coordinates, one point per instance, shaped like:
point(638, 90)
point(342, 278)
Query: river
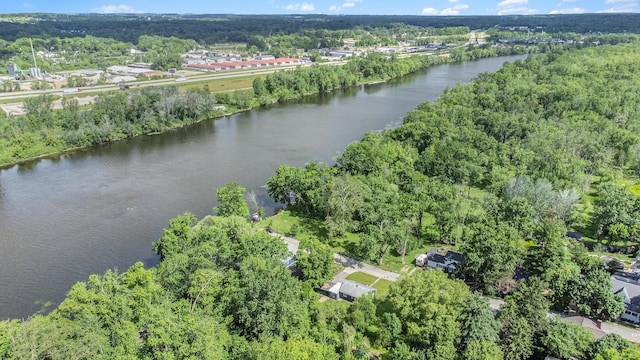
point(65, 218)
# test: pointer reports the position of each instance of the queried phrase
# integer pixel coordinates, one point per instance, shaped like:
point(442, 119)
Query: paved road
point(350, 265)
point(21, 95)
point(353, 265)
point(630, 334)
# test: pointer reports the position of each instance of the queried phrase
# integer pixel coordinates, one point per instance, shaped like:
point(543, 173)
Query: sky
point(345, 7)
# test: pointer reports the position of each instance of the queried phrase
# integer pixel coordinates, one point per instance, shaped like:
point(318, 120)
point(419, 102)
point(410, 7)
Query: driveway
point(353, 265)
point(350, 265)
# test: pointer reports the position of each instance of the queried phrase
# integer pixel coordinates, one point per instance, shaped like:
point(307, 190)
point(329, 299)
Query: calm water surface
point(83, 213)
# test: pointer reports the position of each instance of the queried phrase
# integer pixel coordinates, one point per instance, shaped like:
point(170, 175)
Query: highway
point(94, 90)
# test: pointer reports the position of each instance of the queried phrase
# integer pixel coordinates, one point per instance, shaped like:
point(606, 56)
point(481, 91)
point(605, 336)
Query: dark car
point(268, 229)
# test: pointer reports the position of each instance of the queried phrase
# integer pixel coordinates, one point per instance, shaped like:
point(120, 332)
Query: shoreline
point(9, 165)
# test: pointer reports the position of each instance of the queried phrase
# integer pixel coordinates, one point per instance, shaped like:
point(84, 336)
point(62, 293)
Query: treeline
point(112, 117)
point(221, 291)
point(286, 85)
point(222, 28)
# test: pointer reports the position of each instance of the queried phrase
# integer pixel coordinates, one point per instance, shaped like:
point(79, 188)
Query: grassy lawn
point(295, 225)
point(362, 278)
point(627, 259)
point(382, 287)
point(220, 85)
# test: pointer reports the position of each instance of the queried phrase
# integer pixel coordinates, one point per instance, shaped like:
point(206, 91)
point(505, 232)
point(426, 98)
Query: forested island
point(500, 169)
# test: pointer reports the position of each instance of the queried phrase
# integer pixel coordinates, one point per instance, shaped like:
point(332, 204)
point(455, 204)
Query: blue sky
point(372, 7)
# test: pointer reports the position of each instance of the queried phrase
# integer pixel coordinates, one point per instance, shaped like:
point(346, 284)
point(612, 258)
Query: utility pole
point(35, 65)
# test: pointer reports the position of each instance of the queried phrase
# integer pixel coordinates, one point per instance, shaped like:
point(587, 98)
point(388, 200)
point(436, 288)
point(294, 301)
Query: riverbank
point(50, 142)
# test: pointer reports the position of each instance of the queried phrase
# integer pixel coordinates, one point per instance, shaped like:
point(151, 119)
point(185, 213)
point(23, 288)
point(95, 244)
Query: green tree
point(315, 260)
point(613, 354)
point(590, 293)
point(294, 349)
point(490, 252)
point(231, 199)
point(566, 340)
point(429, 304)
point(262, 299)
point(517, 340)
point(345, 201)
point(381, 219)
point(482, 350)
point(477, 323)
point(615, 212)
point(609, 341)
point(176, 238)
point(530, 302)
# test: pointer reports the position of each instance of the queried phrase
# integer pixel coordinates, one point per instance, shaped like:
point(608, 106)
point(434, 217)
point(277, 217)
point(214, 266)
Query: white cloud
point(454, 10)
point(115, 9)
point(307, 7)
point(453, 1)
point(510, 7)
point(450, 11)
point(575, 10)
point(429, 11)
point(345, 5)
point(522, 10)
point(618, 1)
point(300, 7)
point(507, 3)
point(26, 5)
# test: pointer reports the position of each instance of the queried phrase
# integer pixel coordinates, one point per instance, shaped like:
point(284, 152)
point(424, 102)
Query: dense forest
point(223, 28)
point(500, 169)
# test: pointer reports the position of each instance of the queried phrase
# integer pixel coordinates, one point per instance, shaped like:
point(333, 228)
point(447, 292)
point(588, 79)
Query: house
point(346, 289)
point(447, 261)
point(630, 291)
point(351, 290)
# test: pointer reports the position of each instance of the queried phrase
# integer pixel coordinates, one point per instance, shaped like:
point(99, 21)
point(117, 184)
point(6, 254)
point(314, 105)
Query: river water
point(65, 218)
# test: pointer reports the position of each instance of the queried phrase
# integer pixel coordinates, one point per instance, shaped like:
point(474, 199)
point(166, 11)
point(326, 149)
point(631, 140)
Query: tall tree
point(381, 217)
point(590, 294)
point(615, 212)
point(429, 304)
point(477, 322)
point(345, 201)
point(566, 340)
point(490, 252)
point(315, 260)
point(231, 199)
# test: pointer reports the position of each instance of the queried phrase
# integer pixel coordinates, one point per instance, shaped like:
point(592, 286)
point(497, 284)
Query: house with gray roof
point(630, 291)
point(346, 289)
point(351, 290)
point(446, 262)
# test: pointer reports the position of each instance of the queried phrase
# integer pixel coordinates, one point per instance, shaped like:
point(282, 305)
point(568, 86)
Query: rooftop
point(355, 289)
